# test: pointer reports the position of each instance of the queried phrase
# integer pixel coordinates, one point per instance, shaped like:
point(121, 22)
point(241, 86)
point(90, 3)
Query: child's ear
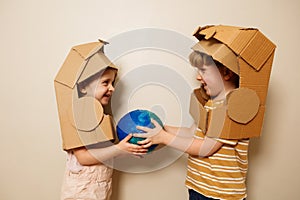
point(227, 74)
point(82, 90)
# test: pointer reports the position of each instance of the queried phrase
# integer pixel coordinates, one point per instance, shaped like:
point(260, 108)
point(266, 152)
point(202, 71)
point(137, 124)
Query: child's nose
point(111, 88)
point(199, 77)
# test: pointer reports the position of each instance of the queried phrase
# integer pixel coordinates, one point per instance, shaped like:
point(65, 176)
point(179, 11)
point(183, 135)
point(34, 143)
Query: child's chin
point(104, 101)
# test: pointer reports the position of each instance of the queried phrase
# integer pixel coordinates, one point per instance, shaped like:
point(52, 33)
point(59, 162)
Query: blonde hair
point(197, 59)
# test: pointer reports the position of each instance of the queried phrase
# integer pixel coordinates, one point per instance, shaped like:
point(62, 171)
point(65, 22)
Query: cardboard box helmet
point(82, 119)
point(249, 54)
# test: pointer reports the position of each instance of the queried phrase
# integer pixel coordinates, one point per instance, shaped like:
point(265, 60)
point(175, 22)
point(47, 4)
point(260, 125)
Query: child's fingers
point(155, 123)
point(143, 142)
point(127, 138)
point(140, 135)
point(147, 145)
point(141, 151)
point(143, 128)
point(137, 149)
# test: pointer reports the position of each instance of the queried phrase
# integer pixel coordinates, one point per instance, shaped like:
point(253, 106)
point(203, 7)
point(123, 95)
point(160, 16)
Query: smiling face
point(101, 87)
point(211, 80)
point(208, 75)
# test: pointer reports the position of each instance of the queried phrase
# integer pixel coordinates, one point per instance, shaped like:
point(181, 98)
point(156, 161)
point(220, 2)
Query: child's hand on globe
point(153, 135)
point(130, 148)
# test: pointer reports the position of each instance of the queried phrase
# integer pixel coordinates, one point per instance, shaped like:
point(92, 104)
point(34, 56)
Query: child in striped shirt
point(216, 167)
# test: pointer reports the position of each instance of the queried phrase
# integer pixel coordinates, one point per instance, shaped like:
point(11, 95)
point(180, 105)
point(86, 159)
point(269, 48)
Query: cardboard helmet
point(249, 54)
point(82, 119)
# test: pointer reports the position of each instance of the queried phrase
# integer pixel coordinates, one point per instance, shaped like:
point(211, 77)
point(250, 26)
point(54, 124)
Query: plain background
point(35, 38)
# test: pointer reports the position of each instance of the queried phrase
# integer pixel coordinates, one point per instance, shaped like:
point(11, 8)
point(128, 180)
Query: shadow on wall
point(258, 147)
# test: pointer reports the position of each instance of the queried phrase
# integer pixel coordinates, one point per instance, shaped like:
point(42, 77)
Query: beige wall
point(35, 37)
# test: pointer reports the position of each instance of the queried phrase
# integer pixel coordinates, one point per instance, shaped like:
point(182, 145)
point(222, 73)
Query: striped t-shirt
point(221, 175)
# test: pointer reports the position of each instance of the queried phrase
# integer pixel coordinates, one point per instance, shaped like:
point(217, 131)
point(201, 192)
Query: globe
point(129, 121)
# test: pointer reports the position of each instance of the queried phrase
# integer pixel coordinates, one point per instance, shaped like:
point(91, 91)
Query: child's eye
point(202, 70)
point(105, 82)
point(199, 70)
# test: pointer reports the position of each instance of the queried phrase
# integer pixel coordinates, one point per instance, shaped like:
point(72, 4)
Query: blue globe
point(129, 121)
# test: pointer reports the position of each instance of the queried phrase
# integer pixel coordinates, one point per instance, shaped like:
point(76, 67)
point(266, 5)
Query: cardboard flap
point(258, 50)
point(87, 114)
point(75, 63)
point(216, 120)
point(197, 110)
point(219, 52)
point(103, 41)
point(108, 128)
point(235, 38)
point(89, 49)
point(194, 108)
point(95, 64)
point(197, 32)
point(242, 105)
point(68, 73)
point(208, 33)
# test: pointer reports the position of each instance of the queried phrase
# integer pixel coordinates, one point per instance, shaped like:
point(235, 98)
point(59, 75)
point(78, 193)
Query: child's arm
point(98, 155)
point(180, 138)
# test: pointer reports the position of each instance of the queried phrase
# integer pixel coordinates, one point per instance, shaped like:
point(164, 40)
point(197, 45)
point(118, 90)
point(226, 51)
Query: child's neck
point(222, 96)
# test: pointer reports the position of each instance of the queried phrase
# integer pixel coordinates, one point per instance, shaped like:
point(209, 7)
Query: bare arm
point(180, 138)
point(95, 156)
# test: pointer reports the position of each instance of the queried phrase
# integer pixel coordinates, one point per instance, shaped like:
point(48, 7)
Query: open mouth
point(107, 95)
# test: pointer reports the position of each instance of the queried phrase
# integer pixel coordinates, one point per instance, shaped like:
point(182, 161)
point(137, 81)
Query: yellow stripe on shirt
point(222, 175)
